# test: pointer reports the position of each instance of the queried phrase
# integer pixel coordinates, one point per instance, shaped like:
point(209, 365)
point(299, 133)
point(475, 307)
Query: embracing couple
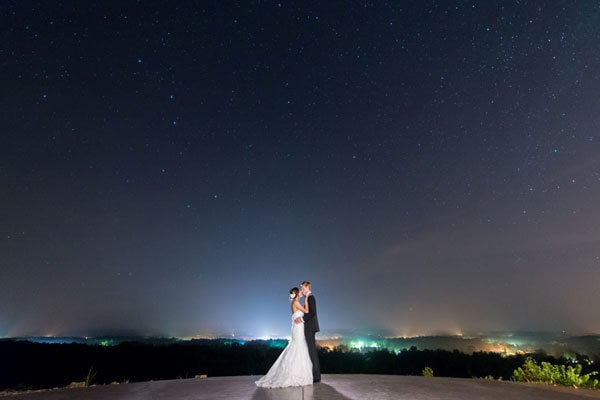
point(298, 364)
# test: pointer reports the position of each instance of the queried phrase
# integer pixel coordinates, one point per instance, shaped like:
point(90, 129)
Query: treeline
point(27, 365)
point(413, 361)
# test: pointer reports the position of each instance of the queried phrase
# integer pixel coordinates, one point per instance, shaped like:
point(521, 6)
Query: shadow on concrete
point(323, 391)
point(277, 394)
point(310, 392)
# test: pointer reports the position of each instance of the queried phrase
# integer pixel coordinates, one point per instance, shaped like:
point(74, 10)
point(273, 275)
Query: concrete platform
point(333, 387)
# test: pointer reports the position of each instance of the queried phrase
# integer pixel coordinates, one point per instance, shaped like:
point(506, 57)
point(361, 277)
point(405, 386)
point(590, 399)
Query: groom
point(311, 326)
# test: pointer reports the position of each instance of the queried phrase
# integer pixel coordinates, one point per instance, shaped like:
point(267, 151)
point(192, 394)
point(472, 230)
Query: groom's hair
point(306, 283)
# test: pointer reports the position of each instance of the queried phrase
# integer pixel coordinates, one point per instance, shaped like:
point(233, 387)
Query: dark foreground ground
point(333, 387)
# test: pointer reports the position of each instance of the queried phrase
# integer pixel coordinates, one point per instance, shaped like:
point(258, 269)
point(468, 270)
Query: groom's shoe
point(316, 380)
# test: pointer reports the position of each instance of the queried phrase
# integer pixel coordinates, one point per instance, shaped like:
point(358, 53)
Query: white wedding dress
point(293, 367)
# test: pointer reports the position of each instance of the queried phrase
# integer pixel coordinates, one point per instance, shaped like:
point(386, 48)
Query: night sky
point(174, 169)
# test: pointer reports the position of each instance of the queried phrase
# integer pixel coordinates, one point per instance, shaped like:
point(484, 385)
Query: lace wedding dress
point(293, 367)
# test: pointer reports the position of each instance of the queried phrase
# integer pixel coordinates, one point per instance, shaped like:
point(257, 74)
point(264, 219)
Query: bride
point(293, 367)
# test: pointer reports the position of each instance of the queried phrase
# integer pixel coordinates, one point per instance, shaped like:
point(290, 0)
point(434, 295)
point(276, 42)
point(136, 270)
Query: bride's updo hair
point(294, 293)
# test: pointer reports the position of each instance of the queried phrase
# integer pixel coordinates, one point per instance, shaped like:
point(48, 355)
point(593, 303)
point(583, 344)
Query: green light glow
point(278, 344)
point(362, 344)
point(356, 344)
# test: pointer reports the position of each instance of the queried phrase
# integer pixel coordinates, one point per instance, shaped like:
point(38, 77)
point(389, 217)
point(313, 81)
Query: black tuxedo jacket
point(311, 322)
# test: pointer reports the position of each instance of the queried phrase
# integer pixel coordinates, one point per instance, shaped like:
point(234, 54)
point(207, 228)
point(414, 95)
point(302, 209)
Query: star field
point(174, 169)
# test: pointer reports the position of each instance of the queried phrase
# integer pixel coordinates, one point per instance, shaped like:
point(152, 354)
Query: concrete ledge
point(333, 387)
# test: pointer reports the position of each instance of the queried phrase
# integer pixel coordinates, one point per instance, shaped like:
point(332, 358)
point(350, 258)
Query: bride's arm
point(302, 308)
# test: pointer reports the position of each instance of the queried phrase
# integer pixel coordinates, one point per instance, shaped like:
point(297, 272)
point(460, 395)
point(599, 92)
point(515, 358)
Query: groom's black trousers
point(314, 356)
